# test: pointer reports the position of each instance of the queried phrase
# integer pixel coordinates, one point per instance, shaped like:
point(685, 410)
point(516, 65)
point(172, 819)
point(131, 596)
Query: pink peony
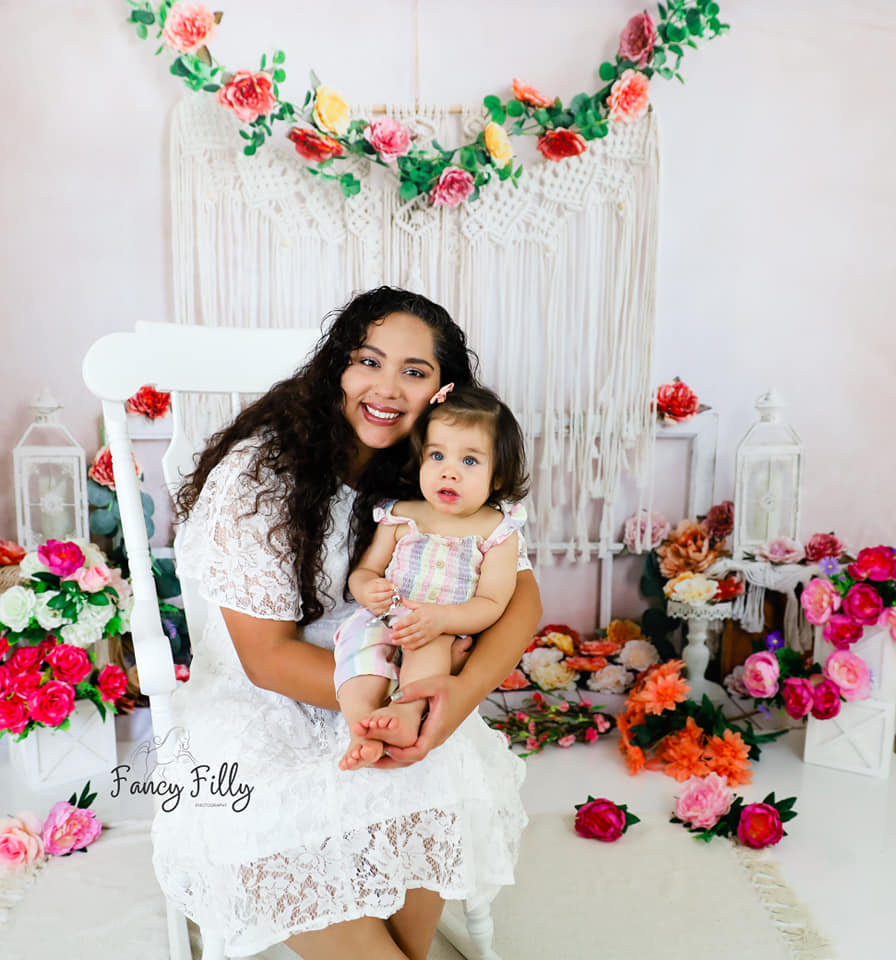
point(862, 604)
point(52, 703)
point(720, 520)
point(888, 619)
point(4, 679)
point(760, 826)
point(112, 681)
point(567, 741)
point(761, 671)
point(638, 39)
point(70, 664)
point(850, 673)
point(821, 545)
point(820, 600)
point(20, 841)
point(841, 631)
point(452, 189)
point(600, 820)
point(734, 682)
point(90, 579)
point(69, 828)
point(782, 550)
point(798, 696)
point(249, 95)
point(629, 97)
point(388, 137)
point(676, 402)
point(60, 557)
point(874, 563)
point(188, 27)
point(651, 528)
point(826, 700)
point(704, 800)
point(13, 715)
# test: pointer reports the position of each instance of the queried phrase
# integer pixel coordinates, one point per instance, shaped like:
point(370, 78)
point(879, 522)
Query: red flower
point(10, 553)
point(821, 545)
point(248, 94)
point(560, 144)
point(720, 520)
point(874, 563)
point(728, 587)
point(826, 700)
point(25, 685)
point(841, 631)
point(314, 146)
point(526, 94)
point(52, 703)
point(24, 660)
point(676, 401)
point(150, 402)
point(13, 715)
point(70, 664)
point(863, 604)
point(760, 826)
point(112, 681)
point(181, 672)
point(600, 820)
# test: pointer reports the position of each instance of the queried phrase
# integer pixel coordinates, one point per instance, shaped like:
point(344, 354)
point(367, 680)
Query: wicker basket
point(9, 576)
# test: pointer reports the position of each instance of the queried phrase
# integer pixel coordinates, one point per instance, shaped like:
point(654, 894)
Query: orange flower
point(629, 97)
point(688, 548)
point(728, 756)
point(621, 631)
point(634, 759)
point(662, 688)
point(589, 664)
point(599, 648)
point(682, 752)
point(526, 94)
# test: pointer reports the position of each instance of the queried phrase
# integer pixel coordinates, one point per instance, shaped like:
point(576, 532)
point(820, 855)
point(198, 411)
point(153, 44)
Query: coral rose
point(20, 841)
point(850, 673)
point(874, 563)
point(560, 144)
point(10, 553)
point(820, 600)
point(689, 548)
point(637, 40)
point(798, 696)
point(330, 111)
point(760, 826)
point(70, 664)
point(52, 703)
point(188, 27)
point(862, 604)
point(629, 97)
point(452, 188)
point(676, 402)
point(60, 557)
point(101, 468)
point(68, 828)
point(498, 144)
point(821, 545)
point(826, 702)
point(703, 801)
point(644, 530)
point(13, 715)
point(761, 672)
point(314, 146)
point(249, 95)
point(720, 521)
point(602, 648)
point(585, 664)
point(600, 820)
point(515, 680)
point(841, 631)
point(388, 137)
point(149, 403)
point(112, 681)
point(526, 94)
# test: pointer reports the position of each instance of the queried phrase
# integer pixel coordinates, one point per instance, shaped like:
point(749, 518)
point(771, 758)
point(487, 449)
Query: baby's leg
point(358, 697)
point(399, 723)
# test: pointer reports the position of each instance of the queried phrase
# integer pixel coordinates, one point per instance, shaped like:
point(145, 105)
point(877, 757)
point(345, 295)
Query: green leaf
point(279, 56)
point(659, 57)
point(662, 11)
point(408, 190)
point(607, 72)
point(143, 16)
point(211, 87)
point(179, 68)
point(542, 116)
point(97, 494)
point(98, 600)
point(102, 522)
point(498, 115)
point(142, 32)
point(279, 76)
point(514, 108)
point(491, 102)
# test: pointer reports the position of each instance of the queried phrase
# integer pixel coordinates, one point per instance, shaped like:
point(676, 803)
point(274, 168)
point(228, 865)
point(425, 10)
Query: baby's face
point(457, 466)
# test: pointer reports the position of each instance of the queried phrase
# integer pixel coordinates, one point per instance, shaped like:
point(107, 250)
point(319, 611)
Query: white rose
point(95, 615)
point(612, 679)
point(554, 676)
point(92, 553)
point(16, 608)
point(696, 589)
point(638, 655)
point(125, 607)
point(31, 565)
point(45, 615)
point(81, 634)
point(540, 657)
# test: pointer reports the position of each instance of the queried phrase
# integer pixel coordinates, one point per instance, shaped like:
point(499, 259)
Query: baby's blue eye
point(470, 461)
point(436, 455)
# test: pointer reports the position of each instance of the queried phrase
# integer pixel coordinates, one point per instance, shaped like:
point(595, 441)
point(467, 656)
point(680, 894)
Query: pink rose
point(52, 703)
point(515, 680)
point(820, 600)
point(760, 826)
point(874, 563)
point(90, 579)
point(629, 97)
point(24, 685)
point(60, 557)
point(4, 679)
point(567, 741)
point(888, 619)
point(826, 700)
point(821, 545)
point(118, 583)
point(798, 696)
point(388, 137)
point(703, 801)
point(453, 187)
point(13, 715)
point(70, 664)
point(850, 673)
point(761, 671)
point(676, 402)
point(69, 828)
point(651, 528)
point(249, 95)
point(637, 40)
point(20, 841)
point(188, 27)
point(841, 631)
point(112, 681)
point(24, 660)
point(600, 820)
point(591, 735)
point(782, 550)
point(863, 604)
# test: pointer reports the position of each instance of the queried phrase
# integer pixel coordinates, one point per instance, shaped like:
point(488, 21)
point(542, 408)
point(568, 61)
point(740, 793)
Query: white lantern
point(50, 479)
point(768, 476)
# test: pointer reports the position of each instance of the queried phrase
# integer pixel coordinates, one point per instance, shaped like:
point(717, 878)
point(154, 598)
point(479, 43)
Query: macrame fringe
point(791, 917)
point(13, 886)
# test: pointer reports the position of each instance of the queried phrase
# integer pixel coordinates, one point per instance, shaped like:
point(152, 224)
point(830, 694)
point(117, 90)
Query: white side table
point(696, 653)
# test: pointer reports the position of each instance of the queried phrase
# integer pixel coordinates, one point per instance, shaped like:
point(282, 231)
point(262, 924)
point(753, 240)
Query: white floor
point(839, 855)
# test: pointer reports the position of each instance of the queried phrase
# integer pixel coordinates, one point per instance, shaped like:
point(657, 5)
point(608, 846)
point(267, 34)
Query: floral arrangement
point(539, 722)
point(323, 132)
point(676, 402)
point(601, 819)
point(559, 659)
point(69, 827)
point(825, 549)
point(661, 729)
point(70, 599)
point(149, 402)
point(709, 808)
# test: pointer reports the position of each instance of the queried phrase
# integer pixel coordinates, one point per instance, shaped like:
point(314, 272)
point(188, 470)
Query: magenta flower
point(863, 604)
point(874, 563)
point(798, 695)
point(69, 828)
point(841, 631)
point(60, 557)
point(760, 677)
point(826, 700)
point(760, 826)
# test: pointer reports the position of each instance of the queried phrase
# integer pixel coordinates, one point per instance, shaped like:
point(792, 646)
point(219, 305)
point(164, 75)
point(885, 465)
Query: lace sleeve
point(231, 555)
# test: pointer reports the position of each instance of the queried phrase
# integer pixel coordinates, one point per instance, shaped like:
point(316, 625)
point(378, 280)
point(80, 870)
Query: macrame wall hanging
point(553, 281)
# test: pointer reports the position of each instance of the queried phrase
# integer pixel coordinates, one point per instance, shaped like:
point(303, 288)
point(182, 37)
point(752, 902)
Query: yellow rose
point(670, 587)
point(498, 144)
point(621, 631)
point(330, 111)
point(562, 641)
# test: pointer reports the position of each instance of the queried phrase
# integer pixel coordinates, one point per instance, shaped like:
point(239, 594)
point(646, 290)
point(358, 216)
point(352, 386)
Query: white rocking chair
point(187, 359)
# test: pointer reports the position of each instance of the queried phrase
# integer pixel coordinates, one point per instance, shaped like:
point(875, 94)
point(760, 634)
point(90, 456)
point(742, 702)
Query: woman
point(271, 841)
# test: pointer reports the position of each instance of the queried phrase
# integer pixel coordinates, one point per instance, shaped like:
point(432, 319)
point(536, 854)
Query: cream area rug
point(655, 894)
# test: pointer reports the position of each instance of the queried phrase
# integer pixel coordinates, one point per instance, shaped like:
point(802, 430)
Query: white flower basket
point(48, 757)
point(860, 738)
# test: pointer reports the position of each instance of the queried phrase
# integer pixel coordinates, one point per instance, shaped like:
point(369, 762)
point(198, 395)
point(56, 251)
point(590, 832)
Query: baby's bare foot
point(362, 753)
point(396, 724)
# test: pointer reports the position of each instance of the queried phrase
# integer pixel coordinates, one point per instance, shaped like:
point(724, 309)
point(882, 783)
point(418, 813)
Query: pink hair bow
point(440, 394)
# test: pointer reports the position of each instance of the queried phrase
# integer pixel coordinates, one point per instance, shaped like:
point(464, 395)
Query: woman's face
point(389, 381)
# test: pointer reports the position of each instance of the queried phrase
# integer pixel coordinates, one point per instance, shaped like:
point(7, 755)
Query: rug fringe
point(791, 917)
point(13, 885)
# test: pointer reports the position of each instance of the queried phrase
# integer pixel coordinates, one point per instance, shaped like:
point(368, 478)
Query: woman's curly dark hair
point(305, 443)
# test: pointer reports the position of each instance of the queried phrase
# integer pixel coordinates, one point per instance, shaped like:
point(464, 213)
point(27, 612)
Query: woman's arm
point(275, 659)
point(496, 653)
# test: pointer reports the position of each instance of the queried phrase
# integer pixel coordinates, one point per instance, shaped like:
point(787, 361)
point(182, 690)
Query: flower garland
point(323, 132)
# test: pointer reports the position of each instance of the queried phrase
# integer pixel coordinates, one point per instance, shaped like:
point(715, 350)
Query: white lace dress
point(313, 845)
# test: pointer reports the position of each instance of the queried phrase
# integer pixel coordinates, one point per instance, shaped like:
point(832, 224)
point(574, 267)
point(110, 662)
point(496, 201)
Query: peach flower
point(188, 27)
point(20, 841)
point(729, 757)
point(689, 547)
point(249, 95)
point(629, 97)
point(529, 95)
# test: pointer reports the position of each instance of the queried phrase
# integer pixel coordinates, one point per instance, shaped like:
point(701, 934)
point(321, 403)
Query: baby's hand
point(422, 625)
point(377, 595)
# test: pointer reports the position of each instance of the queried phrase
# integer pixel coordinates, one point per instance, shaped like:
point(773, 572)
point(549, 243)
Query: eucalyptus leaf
point(103, 522)
point(514, 108)
point(149, 508)
point(491, 101)
point(408, 190)
point(97, 494)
